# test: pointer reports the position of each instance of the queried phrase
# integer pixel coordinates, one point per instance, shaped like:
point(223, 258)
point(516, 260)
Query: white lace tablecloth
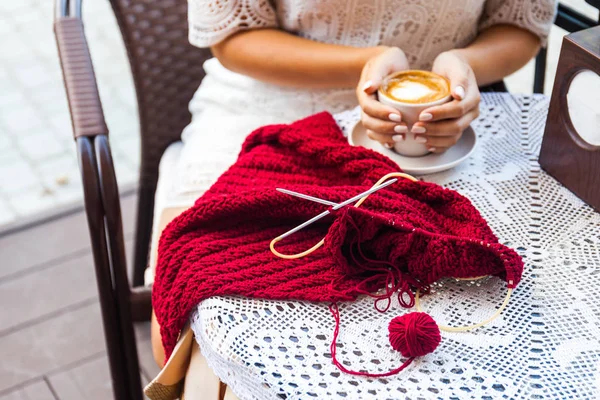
point(546, 345)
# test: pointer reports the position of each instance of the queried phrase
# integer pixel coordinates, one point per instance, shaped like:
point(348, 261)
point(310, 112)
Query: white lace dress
point(228, 106)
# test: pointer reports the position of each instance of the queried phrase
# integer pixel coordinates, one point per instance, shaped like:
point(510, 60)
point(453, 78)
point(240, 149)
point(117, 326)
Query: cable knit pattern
point(220, 246)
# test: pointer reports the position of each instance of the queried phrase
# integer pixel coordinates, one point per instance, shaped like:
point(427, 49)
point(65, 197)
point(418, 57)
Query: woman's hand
point(383, 123)
point(441, 127)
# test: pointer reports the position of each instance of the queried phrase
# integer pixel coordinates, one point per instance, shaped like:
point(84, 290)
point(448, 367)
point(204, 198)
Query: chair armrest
point(102, 202)
point(87, 116)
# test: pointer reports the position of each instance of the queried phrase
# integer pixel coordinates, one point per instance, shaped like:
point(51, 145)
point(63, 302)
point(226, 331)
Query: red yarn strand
point(333, 348)
point(395, 278)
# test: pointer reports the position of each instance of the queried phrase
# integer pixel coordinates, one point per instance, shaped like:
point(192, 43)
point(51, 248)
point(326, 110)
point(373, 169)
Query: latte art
point(416, 87)
point(411, 91)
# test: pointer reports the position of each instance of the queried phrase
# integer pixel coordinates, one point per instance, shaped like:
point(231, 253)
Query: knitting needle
point(307, 197)
point(315, 199)
point(337, 207)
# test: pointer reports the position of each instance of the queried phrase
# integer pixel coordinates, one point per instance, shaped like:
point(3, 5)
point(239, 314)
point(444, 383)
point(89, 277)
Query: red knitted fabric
point(408, 235)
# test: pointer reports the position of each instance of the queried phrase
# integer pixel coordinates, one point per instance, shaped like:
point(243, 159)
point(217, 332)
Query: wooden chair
point(166, 72)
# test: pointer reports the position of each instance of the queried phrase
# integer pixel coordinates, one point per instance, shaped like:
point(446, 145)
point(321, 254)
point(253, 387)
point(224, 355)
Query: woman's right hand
point(383, 123)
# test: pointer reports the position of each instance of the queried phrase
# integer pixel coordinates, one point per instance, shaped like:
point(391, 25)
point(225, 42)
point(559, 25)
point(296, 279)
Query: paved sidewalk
point(38, 167)
point(38, 164)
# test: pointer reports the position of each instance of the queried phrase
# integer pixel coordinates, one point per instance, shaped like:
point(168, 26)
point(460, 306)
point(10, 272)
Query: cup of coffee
point(411, 92)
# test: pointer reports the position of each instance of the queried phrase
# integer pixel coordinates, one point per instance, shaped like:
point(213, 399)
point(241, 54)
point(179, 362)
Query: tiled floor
point(38, 166)
point(51, 337)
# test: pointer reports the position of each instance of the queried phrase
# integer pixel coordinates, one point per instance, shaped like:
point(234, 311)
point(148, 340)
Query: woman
point(278, 61)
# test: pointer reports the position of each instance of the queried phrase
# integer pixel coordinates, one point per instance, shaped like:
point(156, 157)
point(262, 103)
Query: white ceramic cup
point(410, 114)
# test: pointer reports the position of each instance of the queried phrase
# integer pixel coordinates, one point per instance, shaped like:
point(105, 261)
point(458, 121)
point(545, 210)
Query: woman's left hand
point(442, 126)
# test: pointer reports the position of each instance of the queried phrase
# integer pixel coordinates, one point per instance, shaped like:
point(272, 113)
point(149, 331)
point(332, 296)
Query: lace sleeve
point(211, 21)
point(536, 16)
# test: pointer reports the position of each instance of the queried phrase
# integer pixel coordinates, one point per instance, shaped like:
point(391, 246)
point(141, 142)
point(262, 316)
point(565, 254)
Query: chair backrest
point(166, 70)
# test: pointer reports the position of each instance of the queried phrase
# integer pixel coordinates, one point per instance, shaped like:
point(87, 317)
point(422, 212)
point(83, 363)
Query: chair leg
point(108, 301)
point(118, 266)
point(143, 232)
point(540, 71)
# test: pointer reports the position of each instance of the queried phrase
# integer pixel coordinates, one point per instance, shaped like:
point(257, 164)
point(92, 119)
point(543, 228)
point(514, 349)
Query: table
point(545, 345)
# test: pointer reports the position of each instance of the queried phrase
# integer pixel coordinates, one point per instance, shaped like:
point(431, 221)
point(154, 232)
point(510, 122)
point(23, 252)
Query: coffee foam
point(417, 87)
point(411, 91)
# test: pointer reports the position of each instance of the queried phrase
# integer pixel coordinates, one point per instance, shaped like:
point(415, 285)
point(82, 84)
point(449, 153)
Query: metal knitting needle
point(307, 197)
point(337, 207)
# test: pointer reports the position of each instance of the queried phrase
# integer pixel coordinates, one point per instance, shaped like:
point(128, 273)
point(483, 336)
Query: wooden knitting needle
point(337, 207)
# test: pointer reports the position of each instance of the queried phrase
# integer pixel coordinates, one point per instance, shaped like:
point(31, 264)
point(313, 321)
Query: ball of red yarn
point(414, 334)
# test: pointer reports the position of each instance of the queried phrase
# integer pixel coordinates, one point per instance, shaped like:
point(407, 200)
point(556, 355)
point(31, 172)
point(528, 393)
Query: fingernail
point(425, 117)
point(388, 145)
point(431, 149)
point(368, 85)
point(460, 92)
point(420, 139)
point(397, 138)
point(418, 129)
point(400, 129)
point(395, 117)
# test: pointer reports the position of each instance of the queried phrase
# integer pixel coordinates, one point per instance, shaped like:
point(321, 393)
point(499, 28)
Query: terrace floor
point(51, 337)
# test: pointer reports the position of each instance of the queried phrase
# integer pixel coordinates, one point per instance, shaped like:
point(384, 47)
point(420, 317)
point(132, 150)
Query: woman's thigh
point(211, 143)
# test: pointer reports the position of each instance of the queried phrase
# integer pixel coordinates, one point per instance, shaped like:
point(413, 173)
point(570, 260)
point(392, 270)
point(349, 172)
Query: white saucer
point(427, 164)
